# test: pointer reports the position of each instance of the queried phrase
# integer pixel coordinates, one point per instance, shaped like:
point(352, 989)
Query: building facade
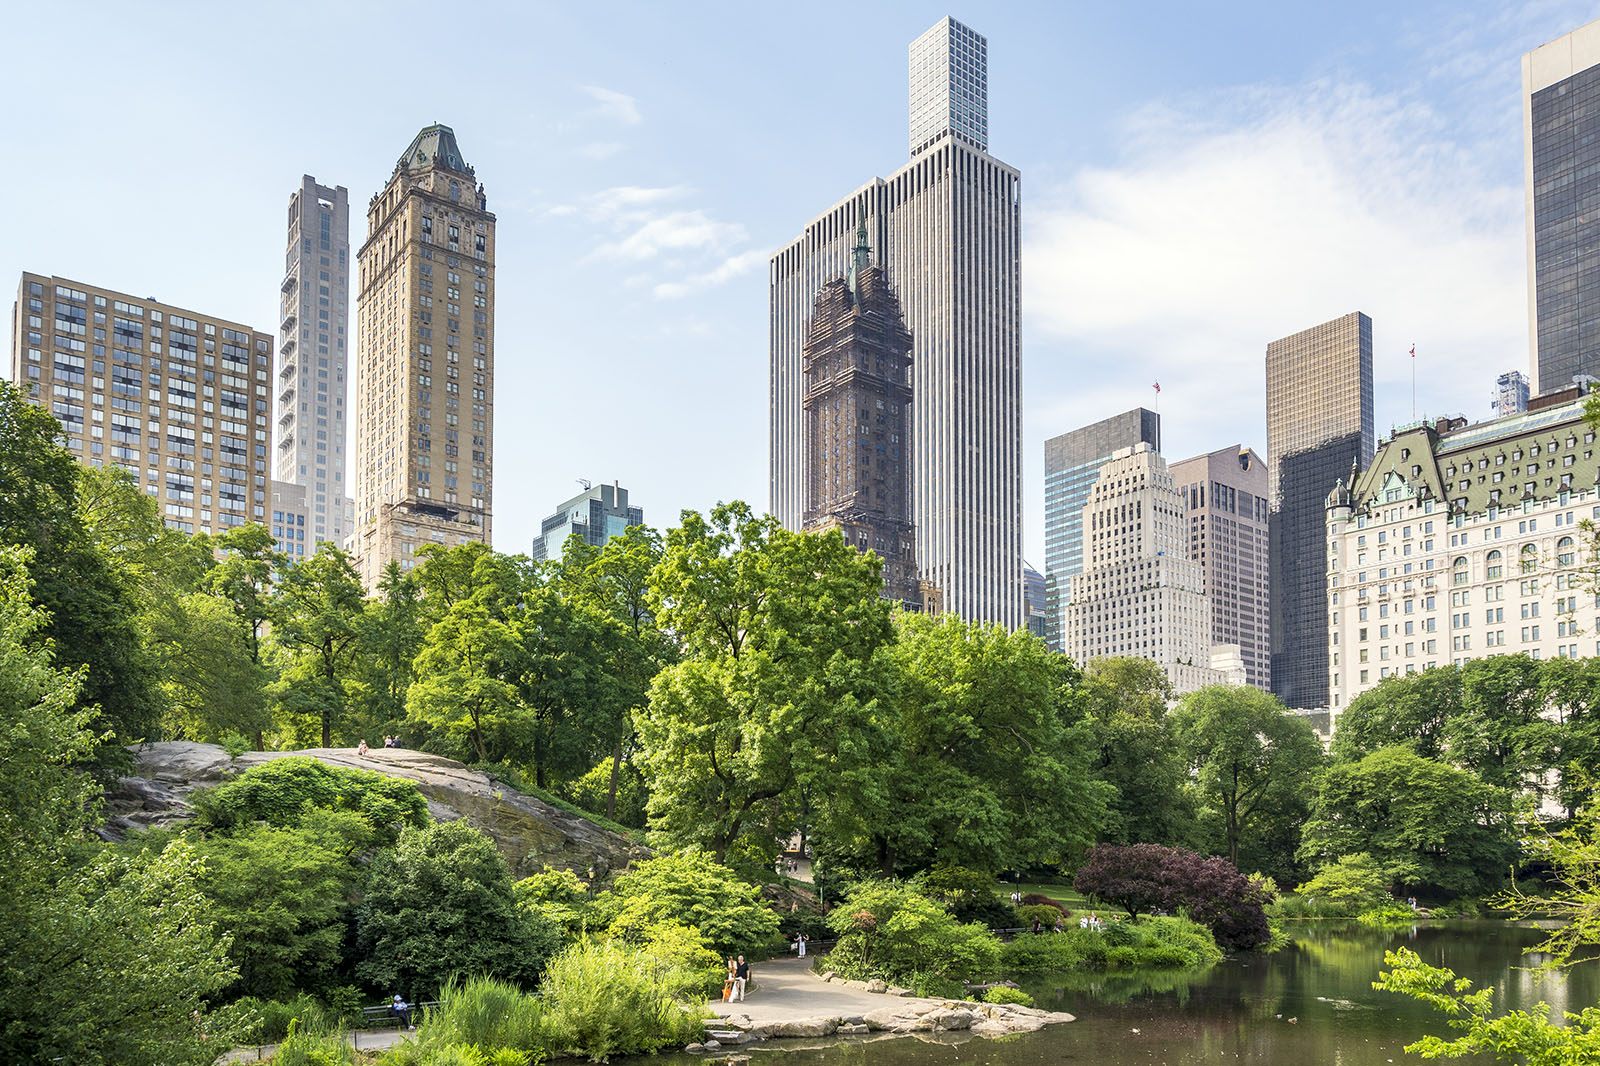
point(596, 515)
point(1225, 504)
point(180, 399)
point(1319, 428)
point(425, 429)
point(858, 403)
point(1511, 394)
point(1139, 594)
point(1462, 541)
point(946, 228)
point(1560, 152)
point(1033, 592)
point(949, 86)
point(313, 364)
point(292, 523)
point(1072, 464)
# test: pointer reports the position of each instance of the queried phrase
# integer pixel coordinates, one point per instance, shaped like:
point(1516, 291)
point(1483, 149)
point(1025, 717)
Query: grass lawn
point(1065, 895)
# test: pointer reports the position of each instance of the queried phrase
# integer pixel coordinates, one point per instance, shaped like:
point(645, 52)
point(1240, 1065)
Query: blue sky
point(1197, 181)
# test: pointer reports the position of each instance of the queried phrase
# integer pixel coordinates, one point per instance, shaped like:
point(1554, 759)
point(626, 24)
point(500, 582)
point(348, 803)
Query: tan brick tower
point(425, 352)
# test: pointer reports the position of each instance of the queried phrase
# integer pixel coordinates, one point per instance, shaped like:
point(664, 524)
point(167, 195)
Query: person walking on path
point(741, 977)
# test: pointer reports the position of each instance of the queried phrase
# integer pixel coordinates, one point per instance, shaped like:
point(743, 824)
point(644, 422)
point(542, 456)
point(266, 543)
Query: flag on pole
point(1158, 386)
point(1413, 351)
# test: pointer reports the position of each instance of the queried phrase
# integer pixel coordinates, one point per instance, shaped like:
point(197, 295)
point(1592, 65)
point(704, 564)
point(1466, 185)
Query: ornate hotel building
point(425, 430)
point(1462, 541)
point(946, 230)
point(178, 398)
point(858, 406)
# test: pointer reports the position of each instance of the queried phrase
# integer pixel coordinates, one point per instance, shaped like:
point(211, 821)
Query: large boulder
point(530, 833)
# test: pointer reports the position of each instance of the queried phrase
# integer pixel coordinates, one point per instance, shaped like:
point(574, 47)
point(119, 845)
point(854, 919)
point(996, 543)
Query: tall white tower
point(313, 358)
point(947, 228)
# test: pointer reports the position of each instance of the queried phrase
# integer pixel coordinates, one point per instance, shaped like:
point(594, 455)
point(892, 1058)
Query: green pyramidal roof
point(435, 145)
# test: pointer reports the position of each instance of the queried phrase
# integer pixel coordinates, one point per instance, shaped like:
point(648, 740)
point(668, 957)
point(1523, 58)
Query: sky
point(1198, 180)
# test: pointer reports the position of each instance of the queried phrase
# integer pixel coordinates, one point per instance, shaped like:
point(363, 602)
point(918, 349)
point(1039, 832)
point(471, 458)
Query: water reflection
point(1309, 1004)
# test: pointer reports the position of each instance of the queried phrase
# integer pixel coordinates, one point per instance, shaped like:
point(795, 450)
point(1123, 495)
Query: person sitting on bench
point(402, 1011)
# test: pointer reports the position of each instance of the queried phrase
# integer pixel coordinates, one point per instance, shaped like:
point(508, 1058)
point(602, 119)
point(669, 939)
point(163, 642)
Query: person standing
point(801, 940)
point(741, 977)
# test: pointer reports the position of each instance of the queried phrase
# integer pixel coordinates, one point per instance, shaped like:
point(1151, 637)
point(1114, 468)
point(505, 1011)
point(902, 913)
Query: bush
point(593, 789)
point(1151, 944)
point(1393, 916)
point(1148, 876)
point(1039, 899)
point(558, 897)
point(1457, 908)
point(889, 930)
point(1038, 954)
point(308, 1049)
point(1029, 913)
point(611, 998)
point(1126, 958)
point(259, 1021)
point(1003, 994)
point(486, 1013)
point(279, 792)
point(968, 895)
point(1352, 884)
point(690, 889)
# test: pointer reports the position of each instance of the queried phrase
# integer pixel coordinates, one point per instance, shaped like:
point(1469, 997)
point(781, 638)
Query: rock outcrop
point(530, 833)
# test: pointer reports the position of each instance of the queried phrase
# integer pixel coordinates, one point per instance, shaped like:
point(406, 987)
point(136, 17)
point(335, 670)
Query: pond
point(1309, 1004)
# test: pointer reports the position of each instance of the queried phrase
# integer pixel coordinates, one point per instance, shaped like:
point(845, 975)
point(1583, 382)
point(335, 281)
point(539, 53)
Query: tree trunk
point(885, 857)
point(611, 794)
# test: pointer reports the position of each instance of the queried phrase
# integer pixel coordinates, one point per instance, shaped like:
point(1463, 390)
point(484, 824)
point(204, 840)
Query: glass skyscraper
point(1319, 430)
point(946, 228)
point(1072, 464)
point(949, 86)
point(1561, 162)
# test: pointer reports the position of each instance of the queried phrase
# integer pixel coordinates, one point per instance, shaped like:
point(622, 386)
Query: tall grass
point(314, 1049)
point(608, 998)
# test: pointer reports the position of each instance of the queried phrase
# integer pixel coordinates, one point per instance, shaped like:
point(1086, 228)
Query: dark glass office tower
point(1072, 462)
point(1561, 161)
point(1319, 427)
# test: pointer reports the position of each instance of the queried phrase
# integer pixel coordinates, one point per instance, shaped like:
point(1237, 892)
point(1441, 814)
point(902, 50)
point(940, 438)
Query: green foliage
point(439, 904)
point(305, 1048)
point(1046, 915)
point(1389, 916)
point(1351, 883)
point(1527, 1037)
point(89, 605)
point(1429, 826)
point(317, 612)
point(1252, 758)
point(105, 962)
point(1573, 893)
point(558, 897)
point(283, 895)
point(592, 792)
point(485, 1013)
point(283, 791)
point(1003, 994)
point(967, 894)
point(1148, 944)
point(889, 930)
point(773, 708)
point(389, 635)
point(690, 888)
point(1457, 908)
point(613, 998)
point(257, 1021)
point(983, 720)
point(1138, 753)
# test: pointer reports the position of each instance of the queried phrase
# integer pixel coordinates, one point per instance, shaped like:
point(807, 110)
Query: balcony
point(290, 320)
point(289, 282)
point(286, 346)
point(288, 370)
point(286, 397)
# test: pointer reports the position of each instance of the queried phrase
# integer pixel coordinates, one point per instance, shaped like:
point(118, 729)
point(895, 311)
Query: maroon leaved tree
point(1146, 877)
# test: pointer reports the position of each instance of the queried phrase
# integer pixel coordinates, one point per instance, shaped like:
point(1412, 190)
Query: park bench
point(371, 1017)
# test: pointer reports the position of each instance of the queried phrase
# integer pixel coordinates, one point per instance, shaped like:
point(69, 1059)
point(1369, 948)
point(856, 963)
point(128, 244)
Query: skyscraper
point(596, 515)
point(1560, 147)
point(1319, 427)
point(1225, 503)
point(425, 436)
point(946, 229)
point(312, 363)
point(179, 399)
point(858, 403)
point(1510, 394)
point(949, 86)
point(1140, 595)
point(1072, 463)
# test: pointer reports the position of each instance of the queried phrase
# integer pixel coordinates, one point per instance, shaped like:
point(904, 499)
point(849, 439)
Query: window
point(1564, 552)
point(1459, 574)
point(1494, 567)
point(1530, 558)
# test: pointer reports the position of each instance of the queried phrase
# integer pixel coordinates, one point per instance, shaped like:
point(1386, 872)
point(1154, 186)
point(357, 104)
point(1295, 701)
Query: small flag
point(1413, 351)
point(1158, 386)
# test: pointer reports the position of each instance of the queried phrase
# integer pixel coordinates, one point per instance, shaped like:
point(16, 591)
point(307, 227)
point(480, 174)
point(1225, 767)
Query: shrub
point(1028, 913)
point(309, 1049)
point(558, 897)
point(1004, 994)
point(259, 1021)
point(1039, 899)
point(610, 998)
point(1148, 876)
point(1393, 916)
point(889, 930)
point(1126, 958)
point(486, 1013)
point(1352, 884)
point(1457, 908)
point(280, 791)
point(967, 894)
point(690, 889)
point(1050, 951)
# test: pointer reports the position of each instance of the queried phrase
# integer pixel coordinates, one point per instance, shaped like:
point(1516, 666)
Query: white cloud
point(613, 105)
point(600, 149)
point(730, 268)
point(674, 231)
point(1240, 218)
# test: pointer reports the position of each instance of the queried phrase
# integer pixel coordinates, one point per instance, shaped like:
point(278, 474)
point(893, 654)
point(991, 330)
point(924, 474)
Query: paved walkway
point(361, 1039)
point(787, 992)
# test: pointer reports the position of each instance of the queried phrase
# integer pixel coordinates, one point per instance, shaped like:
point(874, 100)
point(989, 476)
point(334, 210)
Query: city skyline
point(602, 166)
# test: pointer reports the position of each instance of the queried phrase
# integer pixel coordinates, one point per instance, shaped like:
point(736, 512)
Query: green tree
point(782, 635)
point(690, 888)
point(980, 719)
point(247, 562)
point(889, 930)
point(1137, 753)
point(318, 609)
point(92, 613)
point(211, 683)
point(1358, 882)
point(105, 962)
point(1253, 759)
point(440, 904)
point(1572, 893)
point(1431, 827)
point(284, 896)
point(573, 679)
point(1572, 692)
point(391, 635)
